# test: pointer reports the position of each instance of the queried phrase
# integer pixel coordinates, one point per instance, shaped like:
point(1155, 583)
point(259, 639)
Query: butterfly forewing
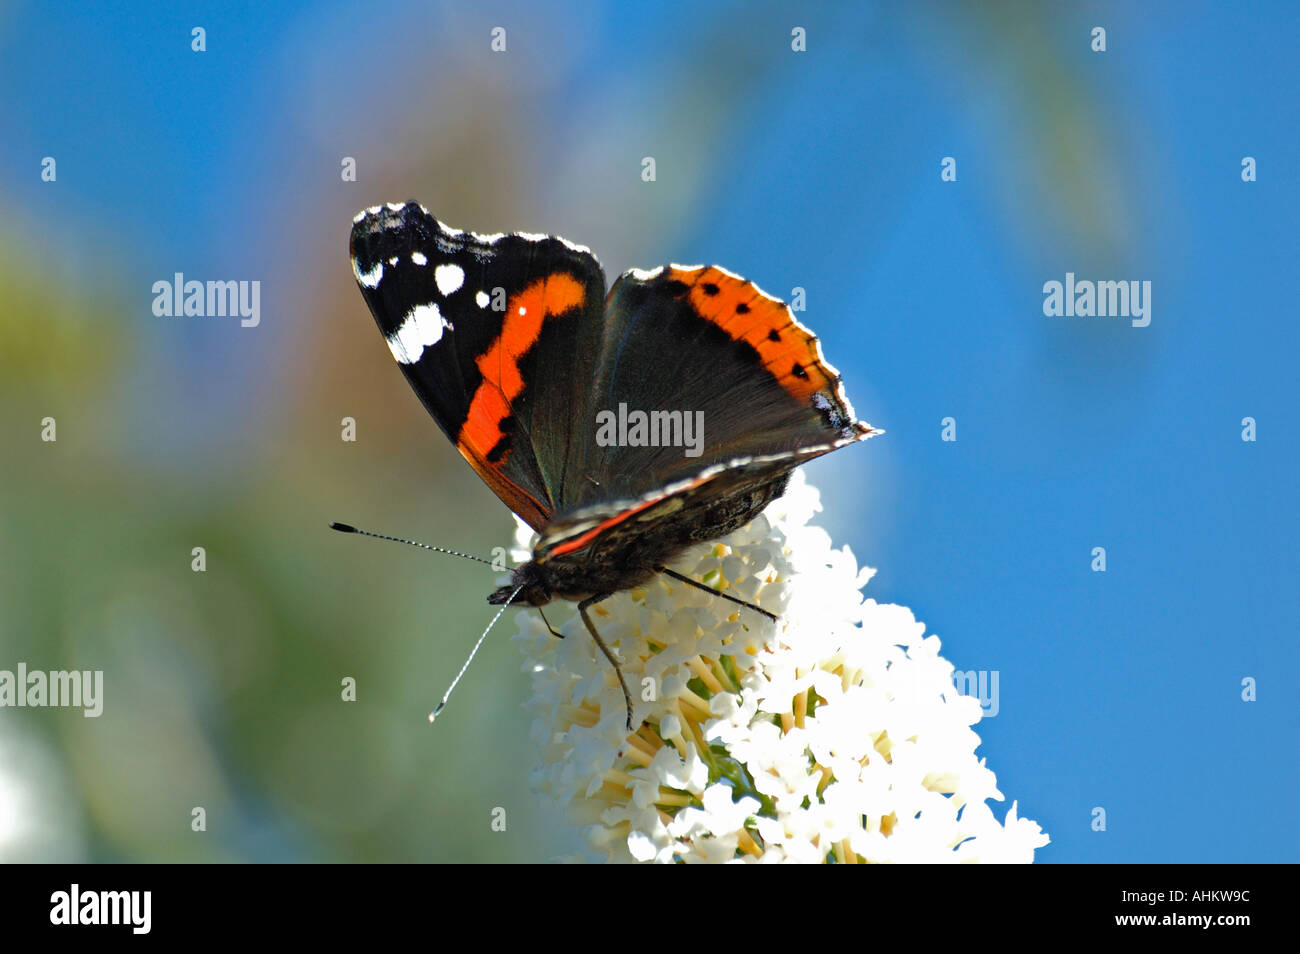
point(492, 332)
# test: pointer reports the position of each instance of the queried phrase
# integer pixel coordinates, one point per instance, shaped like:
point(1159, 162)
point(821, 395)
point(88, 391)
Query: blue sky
point(821, 170)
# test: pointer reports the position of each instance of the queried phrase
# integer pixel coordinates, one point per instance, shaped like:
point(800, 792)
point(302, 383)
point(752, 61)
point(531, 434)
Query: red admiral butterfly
point(517, 352)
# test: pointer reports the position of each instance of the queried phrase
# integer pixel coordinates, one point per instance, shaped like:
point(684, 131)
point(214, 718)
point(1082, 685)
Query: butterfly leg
point(708, 589)
point(549, 626)
point(582, 611)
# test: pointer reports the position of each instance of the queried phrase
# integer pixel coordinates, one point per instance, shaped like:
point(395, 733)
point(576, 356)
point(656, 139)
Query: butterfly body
point(631, 554)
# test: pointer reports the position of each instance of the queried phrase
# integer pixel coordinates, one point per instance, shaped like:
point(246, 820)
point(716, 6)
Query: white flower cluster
point(832, 735)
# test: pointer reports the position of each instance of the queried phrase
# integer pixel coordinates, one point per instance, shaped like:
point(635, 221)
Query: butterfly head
point(530, 580)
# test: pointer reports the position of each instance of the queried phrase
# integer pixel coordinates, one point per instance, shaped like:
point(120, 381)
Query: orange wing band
point(786, 348)
point(499, 365)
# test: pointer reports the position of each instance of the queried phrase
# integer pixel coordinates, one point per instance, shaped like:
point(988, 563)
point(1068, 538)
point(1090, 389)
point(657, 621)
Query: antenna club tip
point(342, 527)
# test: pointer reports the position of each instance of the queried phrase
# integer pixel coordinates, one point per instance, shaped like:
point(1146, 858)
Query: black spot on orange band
point(498, 451)
point(789, 351)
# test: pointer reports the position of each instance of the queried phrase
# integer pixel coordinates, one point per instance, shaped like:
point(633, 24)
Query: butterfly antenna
point(472, 653)
point(348, 528)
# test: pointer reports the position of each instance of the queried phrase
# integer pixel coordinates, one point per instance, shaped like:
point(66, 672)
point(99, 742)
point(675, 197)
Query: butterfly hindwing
point(491, 331)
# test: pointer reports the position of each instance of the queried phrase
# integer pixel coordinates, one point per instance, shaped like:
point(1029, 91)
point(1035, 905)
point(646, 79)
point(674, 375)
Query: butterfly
point(622, 427)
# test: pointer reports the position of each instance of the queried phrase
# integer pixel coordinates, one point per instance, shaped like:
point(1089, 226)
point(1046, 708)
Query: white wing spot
point(371, 278)
point(523, 310)
point(449, 278)
point(419, 259)
point(482, 299)
point(540, 237)
point(422, 329)
point(574, 246)
point(393, 260)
